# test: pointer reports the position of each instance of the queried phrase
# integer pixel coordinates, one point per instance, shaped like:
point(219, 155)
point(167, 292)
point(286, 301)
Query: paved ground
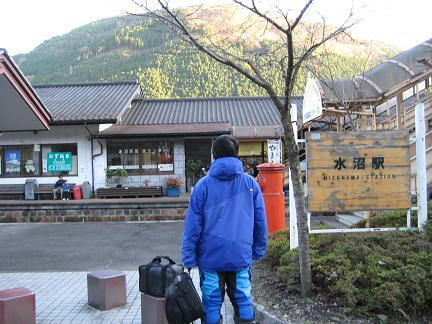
point(86, 247)
point(61, 297)
point(53, 260)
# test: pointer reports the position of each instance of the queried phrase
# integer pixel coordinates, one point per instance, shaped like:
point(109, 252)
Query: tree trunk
point(302, 225)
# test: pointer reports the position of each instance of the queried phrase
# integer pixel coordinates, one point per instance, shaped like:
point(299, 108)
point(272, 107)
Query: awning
point(20, 107)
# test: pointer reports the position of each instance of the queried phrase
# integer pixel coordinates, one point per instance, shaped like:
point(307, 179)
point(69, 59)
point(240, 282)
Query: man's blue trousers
point(238, 287)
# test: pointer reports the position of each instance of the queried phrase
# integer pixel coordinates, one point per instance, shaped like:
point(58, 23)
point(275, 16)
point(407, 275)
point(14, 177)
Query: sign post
point(292, 204)
point(421, 165)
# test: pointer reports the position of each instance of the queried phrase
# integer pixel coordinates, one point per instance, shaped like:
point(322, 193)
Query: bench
point(47, 189)
point(12, 190)
point(124, 192)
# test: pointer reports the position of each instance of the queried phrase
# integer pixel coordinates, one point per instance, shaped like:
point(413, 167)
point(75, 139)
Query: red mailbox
point(270, 179)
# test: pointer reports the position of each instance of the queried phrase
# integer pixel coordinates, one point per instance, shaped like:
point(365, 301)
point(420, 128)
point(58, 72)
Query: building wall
point(60, 135)
point(80, 135)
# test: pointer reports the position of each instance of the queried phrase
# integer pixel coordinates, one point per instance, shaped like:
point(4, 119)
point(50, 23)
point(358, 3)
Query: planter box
point(172, 192)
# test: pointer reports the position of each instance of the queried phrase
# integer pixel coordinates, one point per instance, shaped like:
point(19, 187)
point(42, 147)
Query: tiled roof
point(86, 102)
point(382, 80)
point(237, 111)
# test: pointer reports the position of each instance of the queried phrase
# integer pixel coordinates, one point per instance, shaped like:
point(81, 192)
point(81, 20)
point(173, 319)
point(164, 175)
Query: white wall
point(57, 135)
point(80, 135)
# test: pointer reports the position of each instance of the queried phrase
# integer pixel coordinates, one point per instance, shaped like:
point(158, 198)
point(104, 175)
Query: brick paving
point(61, 297)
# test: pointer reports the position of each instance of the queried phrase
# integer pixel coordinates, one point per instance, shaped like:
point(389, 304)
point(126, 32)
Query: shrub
point(371, 272)
point(278, 244)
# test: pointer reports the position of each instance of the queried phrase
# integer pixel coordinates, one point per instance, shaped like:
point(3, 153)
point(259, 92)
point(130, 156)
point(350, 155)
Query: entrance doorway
point(197, 156)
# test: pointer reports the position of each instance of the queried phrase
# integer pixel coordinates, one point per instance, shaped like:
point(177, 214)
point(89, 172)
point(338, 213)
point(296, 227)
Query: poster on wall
point(12, 161)
point(59, 161)
point(166, 167)
point(274, 151)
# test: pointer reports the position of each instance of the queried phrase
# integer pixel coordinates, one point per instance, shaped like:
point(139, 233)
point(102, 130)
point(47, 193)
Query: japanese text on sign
point(59, 161)
point(274, 151)
point(358, 171)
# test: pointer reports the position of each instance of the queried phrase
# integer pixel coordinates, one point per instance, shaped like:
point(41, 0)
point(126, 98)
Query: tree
point(285, 43)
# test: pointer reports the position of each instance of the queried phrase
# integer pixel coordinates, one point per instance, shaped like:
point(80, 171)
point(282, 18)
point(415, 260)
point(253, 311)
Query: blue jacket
point(225, 227)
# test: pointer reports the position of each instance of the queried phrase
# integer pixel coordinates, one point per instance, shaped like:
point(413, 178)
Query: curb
point(264, 317)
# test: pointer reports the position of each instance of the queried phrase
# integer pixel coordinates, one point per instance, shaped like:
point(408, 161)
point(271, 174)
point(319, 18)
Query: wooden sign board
point(350, 171)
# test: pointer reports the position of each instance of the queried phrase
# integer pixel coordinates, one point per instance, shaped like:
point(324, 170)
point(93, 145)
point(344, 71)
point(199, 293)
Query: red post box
point(270, 179)
point(77, 192)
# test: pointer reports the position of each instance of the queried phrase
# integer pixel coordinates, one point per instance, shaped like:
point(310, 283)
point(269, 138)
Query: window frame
point(141, 145)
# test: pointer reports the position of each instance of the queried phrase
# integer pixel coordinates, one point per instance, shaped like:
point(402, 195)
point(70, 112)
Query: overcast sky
point(27, 23)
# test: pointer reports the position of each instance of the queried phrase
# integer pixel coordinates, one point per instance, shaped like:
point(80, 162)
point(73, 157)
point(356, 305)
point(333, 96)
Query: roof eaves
point(85, 84)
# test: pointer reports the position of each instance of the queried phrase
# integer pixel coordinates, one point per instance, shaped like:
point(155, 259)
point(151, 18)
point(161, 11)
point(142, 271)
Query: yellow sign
point(350, 171)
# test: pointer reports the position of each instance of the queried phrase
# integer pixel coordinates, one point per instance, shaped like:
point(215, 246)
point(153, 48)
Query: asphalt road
point(86, 247)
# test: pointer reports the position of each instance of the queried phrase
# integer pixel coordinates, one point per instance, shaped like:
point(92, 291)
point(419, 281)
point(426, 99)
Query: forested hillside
point(134, 47)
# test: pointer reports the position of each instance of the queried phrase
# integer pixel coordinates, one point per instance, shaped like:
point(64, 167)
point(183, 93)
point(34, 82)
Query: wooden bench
point(124, 192)
point(12, 190)
point(47, 189)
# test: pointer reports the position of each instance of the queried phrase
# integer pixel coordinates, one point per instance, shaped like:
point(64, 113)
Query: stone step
point(349, 219)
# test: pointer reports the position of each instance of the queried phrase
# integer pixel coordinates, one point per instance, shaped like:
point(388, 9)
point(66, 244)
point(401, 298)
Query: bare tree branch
point(256, 11)
point(300, 16)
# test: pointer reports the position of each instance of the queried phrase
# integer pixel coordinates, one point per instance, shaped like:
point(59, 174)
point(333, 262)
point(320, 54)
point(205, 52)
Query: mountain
point(136, 47)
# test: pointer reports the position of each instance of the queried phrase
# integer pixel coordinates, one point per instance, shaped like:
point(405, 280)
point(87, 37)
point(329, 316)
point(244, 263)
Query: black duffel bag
point(157, 275)
point(182, 303)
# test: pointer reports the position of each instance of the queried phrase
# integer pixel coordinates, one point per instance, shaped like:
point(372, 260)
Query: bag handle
point(159, 258)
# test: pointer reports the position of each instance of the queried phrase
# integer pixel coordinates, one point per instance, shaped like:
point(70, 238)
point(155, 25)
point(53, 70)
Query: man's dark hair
point(225, 146)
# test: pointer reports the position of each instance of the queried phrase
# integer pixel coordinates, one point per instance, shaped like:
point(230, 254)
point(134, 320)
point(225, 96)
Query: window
point(22, 160)
point(66, 159)
point(124, 156)
point(142, 158)
point(32, 160)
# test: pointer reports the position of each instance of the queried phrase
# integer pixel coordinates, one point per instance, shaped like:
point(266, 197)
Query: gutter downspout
point(94, 155)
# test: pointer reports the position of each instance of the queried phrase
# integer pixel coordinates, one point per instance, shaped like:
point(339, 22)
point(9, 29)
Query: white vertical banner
point(274, 151)
point(292, 205)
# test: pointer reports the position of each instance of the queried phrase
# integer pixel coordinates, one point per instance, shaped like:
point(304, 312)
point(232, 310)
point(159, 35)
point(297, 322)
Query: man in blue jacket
point(225, 230)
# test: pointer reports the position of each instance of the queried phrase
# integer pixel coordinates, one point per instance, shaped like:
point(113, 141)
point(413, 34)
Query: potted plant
point(117, 175)
point(193, 169)
point(172, 186)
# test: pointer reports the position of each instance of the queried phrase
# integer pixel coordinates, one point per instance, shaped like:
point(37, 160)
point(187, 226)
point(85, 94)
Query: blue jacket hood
point(226, 168)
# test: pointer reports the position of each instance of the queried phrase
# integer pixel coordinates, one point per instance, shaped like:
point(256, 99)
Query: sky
point(27, 23)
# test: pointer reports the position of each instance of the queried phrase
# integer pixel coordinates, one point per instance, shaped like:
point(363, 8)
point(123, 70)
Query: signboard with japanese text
point(349, 171)
point(59, 161)
point(312, 101)
point(274, 151)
